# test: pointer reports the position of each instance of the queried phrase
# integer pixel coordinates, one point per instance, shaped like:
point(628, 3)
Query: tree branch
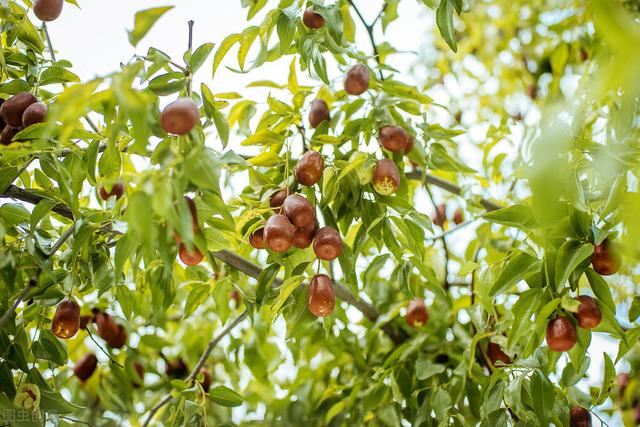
point(17, 193)
point(369, 28)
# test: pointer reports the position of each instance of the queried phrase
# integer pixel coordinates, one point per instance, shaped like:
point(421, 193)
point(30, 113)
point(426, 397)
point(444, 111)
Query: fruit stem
point(102, 349)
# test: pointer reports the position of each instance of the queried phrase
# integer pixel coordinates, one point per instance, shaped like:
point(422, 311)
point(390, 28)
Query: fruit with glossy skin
point(417, 314)
point(356, 82)
point(309, 168)
point(48, 10)
point(277, 198)
point(13, 108)
point(495, 354)
point(303, 236)
point(318, 113)
point(66, 320)
point(35, 113)
point(458, 216)
point(192, 258)
point(257, 239)
point(86, 367)
point(440, 216)
point(119, 339)
point(322, 299)
point(605, 259)
point(386, 177)
point(561, 334)
point(206, 379)
point(278, 233)
point(7, 134)
point(579, 417)
point(327, 244)
point(312, 20)
point(393, 138)
point(180, 117)
point(116, 190)
point(299, 210)
point(410, 143)
point(589, 315)
point(107, 326)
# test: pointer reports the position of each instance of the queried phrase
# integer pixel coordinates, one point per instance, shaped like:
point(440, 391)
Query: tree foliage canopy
point(520, 193)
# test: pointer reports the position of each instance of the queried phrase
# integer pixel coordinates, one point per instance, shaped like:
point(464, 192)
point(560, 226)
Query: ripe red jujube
point(356, 82)
point(66, 320)
point(180, 117)
point(312, 19)
point(561, 334)
point(318, 113)
point(309, 168)
point(278, 233)
point(417, 314)
point(589, 314)
point(606, 259)
point(322, 299)
point(327, 244)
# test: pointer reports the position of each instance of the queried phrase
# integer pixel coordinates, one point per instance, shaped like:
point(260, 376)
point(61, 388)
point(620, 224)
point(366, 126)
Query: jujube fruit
point(85, 320)
point(137, 366)
point(278, 233)
point(579, 417)
point(327, 244)
point(13, 108)
point(7, 134)
point(192, 258)
point(206, 379)
point(235, 296)
point(318, 113)
point(322, 299)
point(458, 216)
point(386, 177)
point(356, 82)
point(85, 367)
point(495, 354)
point(107, 327)
point(66, 320)
point(299, 210)
point(303, 236)
point(277, 198)
point(440, 216)
point(176, 368)
point(417, 315)
point(605, 259)
point(309, 168)
point(410, 143)
point(116, 190)
point(180, 117)
point(561, 334)
point(393, 138)
point(119, 339)
point(312, 19)
point(257, 239)
point(589, 314)
point(48, 10)
point(35, 113)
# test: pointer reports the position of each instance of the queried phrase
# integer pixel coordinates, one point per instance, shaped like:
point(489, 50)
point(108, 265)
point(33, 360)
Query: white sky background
point(94, 39)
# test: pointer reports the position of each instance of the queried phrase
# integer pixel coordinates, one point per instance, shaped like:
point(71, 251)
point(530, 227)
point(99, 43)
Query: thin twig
point(451, 231)
point(369, 28)
point(102, 349)
point(190, 23)
point(443, 238)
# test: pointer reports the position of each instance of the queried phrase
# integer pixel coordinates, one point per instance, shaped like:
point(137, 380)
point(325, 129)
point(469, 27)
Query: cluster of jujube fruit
point(19, 112)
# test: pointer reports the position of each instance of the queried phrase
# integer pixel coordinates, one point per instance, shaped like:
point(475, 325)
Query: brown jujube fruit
point(206, 380)
point(458, 216)
point(356, 82)
point(116, 190)
point(309, 168)
point(495, 354)
point(417, 315)
point(410, 143)
point(312, 20)
point(180, 117)
point(277, 198)
point(107, 327)
point(589, 315)
point(177, 368)
point(7, 134)
point(440, 216)
point(561, 334)
point(299, 210)
point(303, 236)
point(48, 10)
point(35, 113)
point(257, 239)
point(190, 258)
point(393, 138)
point(66, 320)
point(605, 259)
point(119, 339)
point(579, 417)
point(322, 299)
point(327, 244)
point(86, 367)
point(235, 296)
point(13, 108)
point(278, 233)
point(386, 177)
point(318, 113)
point(137, 366)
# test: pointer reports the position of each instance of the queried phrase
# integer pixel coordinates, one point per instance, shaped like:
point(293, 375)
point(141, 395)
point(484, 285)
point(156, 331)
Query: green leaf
point(515, 270)
point(224, 47)
point(634, 310)
point(607, 381)
point(200, 56)
point(600, 288)
point(570, 255)
point(519, 216)
point(144, 20)
point(197, 295)
point(265, 280)
point(224, 396)
point(543, 395)
point(444, 19)
point(286, 289)
point(57, 74)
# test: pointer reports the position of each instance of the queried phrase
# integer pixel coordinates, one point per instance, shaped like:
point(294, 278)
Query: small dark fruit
point(417, 315)
point(579, 417)
point(48, 10)
point(13, 108)
point(277, 198)
point(309, 168)
point(410, 143)
point(606, 259)
point(7, 134)
point(137, 366)
point(386, 177)
point(86, 367)
point(278, 233)
point(458, 216)
point(299, 210)
point(440, 216)
point(312, 20)
point(190, 258)
point(303, 236)
point(318, 113)
point(393, 138)
point(357, 80)
point(107, 327)
point(322, 299)
point(35, 113)
point(561, 334)
point(589, 314)
point(495, 354)
point(66, 320)
point(116, 190)
point(257, 239)
point(180, 117)
point(119, 339)
point(206, 380)
point(177, 368)
point(327, 244)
